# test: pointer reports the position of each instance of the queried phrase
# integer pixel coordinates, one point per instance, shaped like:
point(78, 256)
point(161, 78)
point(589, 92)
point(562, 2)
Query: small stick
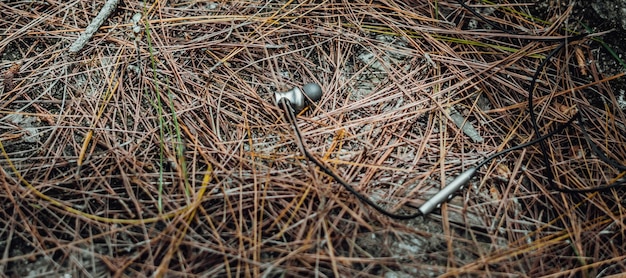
point(91, 29)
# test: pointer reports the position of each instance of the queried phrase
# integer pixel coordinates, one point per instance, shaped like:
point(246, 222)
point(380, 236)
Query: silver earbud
point(296, 96)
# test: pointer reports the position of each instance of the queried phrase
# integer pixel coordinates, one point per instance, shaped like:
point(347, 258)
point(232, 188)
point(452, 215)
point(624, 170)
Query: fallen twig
point(91, 29)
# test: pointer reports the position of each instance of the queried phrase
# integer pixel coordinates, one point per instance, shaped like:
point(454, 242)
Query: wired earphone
point(296, 99)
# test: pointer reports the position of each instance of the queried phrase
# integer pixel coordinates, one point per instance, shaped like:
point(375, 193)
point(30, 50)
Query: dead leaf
point(11, 73)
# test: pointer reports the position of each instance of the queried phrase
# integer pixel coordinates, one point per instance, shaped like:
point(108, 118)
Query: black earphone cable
point(468, 174)
point(533, 116)
point(291, 118)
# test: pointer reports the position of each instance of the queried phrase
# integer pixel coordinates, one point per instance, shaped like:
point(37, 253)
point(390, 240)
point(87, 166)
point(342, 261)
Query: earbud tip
point(313, 91)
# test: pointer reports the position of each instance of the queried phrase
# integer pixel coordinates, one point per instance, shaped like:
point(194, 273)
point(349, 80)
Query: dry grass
point(161, 153)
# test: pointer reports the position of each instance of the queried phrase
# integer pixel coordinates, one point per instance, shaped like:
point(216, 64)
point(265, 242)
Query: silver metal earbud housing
point(298, 97)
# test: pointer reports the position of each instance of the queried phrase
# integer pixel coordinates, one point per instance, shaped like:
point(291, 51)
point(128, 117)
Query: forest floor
point(157, 148)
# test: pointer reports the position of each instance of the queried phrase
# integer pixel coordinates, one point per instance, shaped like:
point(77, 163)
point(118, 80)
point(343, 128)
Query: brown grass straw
point(162, 153)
